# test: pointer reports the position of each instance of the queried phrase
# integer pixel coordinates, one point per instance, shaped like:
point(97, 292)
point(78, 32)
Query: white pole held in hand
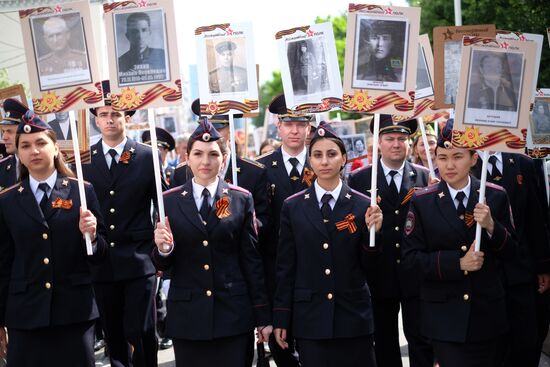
point(374, 174)
point(233, 151)
point(80, 177)
point(481, 195)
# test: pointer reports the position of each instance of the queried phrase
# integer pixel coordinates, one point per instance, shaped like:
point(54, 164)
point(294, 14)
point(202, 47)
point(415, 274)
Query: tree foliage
point(527, 16)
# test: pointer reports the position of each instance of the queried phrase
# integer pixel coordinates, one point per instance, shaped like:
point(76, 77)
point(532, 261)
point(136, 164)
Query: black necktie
point(326, 210)
point(44, 202)
point(496, 175)
point(113, 154)
point(460, 209)
point(294, 174)
point(205, 206)
point(393, 186)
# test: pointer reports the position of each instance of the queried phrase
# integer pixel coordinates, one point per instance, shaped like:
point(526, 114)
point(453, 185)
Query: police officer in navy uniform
point(251, 175)
point(321, 280)
point(391, 285)
point(165, 143)
point(288, 172)
point(217, 294)
point(46, 295)
point(462, 298)
point(9, 165)
point(122, 173)
point(516, 173)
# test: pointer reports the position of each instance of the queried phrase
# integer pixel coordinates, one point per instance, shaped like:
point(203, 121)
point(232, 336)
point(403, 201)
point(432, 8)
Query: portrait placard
point(143, 61)
point(226, 69)
point(447, 51)
point(16, 92)
point(495, 94)
point(381, 57)
point(61, 57)
point(59, 122)
point(548, 34)
point(538, 135)
point(309, 68)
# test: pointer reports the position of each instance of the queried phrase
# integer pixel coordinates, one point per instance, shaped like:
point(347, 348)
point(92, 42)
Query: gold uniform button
point(112, 226)
point(48, 285)
point(206, 267)
point(205, 243)
point(46, 261)
point(464, 248)
point(112, 210)
point(111, 192)
point(397, 245)
point(398, 261)
point(325, 246)
point(329, 296)
point(466, 297)
point(112, 244)
point(465, 272)
point(396, 228)
point(45, 236)
point(327, 271)
point(397, 212)
point(209, 293)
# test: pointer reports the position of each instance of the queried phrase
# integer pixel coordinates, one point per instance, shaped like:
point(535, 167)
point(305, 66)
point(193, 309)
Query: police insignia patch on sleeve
point(409, 223)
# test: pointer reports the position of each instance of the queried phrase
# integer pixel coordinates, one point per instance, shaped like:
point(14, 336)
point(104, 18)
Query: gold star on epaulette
point(441, 195)
point(184, 193)
point(348, 196)
point(238, 169)
point(498, 178)
point(274, 164)
point(294, 178)
point(65, 183)
point(306, 196)
point(132, 150)
point(225, 191)
point(94, 152)
point(20, 189)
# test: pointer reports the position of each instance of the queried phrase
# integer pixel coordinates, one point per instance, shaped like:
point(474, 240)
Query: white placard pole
point(485, 160)
point(80, 177)
point(426, 147)
point(458, 13)
point(233, 151)
point(156, 167)
point(374, 174)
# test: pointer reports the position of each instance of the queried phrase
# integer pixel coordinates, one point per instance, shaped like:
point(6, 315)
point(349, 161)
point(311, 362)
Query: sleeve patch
point(409, 223)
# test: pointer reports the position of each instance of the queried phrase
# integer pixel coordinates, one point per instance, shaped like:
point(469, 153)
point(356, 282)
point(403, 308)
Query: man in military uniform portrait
point(141, 62)
point(227, 78)
point(62, 56)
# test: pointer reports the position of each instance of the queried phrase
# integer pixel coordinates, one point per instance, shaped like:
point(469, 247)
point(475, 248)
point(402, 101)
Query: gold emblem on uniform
point(225, 191)
point(65, 183)
point(294, 178)
point(274, 164)
point(441, 195)
point(184, 193)
point(20, 189)
point(94, 152)
point(306, 196)
point(348, 196)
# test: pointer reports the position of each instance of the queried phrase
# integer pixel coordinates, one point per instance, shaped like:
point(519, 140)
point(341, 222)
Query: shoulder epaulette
point(253, 162)
point(360, 194)
point(495, 186)
point(145, 145)
point(181, 165)
point(420, 168)
point(76, 179)
point(299, 193)
point(264, 155)
point(425, 190)
point(360, 169)
point(238, 188)
point(172, 190)
point(9, 188)
point(6, 158)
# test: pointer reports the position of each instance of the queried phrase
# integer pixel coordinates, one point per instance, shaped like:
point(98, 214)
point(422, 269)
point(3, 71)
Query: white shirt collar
point(319, 191)
point(119, 148)
point(388, 169)
point(198, 188)
point(301, 156)
point(465, 190)
point(33, 183)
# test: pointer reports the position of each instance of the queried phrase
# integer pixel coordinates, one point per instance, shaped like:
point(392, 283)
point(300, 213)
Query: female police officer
point(46, 296)
point(461, 299)
point(321, 284)
point(217, 291)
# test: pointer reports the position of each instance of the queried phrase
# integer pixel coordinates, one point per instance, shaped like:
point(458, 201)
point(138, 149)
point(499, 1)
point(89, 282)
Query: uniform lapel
point(221, 191)
point(510, 174)
point(383, 187)
point(408, 181)
point(311, 203)
point(188, 206)
point(122, 168)
point(98, 160)
point(344, 205)
point(61, 190)
point(447, 208)
point(28, 202)
point(278, 168)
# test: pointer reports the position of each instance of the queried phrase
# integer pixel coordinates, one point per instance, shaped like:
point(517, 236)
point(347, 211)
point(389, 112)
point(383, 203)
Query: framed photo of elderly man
point(538, 135)
point(495, 93)
point(140, 43)
point(60, 46)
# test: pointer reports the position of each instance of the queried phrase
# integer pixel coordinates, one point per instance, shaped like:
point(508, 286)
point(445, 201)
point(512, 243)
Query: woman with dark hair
point(217, 293)
point(462, 299)
point(322, 293)
point(46, 296)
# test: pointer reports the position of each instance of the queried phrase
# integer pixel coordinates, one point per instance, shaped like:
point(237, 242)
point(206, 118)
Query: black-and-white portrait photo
point(494, 82)
point(451, 52)
point(60, 123)
point(60, 48)
point(308, 66)
point(226, 59)
point(540, 117)
point(355, 145)
point(424, 85)
point(380, 53)
point(141, 47)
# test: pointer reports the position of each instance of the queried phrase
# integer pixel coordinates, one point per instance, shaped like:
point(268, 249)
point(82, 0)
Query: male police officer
point(390, 284)
point(8, 126)
point(122, 174)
